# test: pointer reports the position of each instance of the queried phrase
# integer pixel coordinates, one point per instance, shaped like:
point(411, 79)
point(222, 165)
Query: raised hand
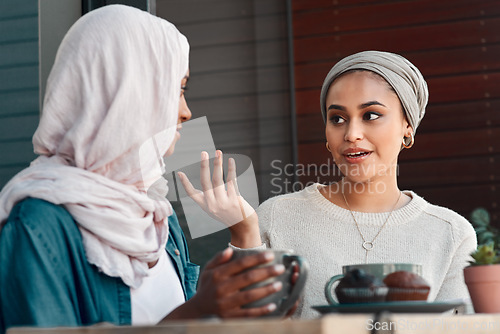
point(224, 205)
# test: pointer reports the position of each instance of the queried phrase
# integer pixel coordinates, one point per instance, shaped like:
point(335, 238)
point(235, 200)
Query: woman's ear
point(408, 130)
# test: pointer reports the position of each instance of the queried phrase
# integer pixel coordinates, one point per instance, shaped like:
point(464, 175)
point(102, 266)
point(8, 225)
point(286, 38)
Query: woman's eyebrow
point(371, 103)
point(337, 107)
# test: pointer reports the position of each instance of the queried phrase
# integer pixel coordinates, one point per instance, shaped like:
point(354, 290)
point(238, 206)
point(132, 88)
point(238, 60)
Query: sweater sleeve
point(265, 213)
point(453, 286)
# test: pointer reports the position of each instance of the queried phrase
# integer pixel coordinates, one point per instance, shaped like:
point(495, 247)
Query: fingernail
point(226, 251)
point(279, 268)
point(277, 285)
point(180, 174)
point(204, 155)
point(271, 307)
point(268, 256)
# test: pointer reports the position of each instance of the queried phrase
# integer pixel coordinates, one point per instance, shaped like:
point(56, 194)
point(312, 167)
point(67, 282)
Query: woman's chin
point(171, 149)
point(355, 179)
point(358, 179)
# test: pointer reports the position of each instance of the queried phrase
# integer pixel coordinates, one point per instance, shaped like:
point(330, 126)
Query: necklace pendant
point(367, 245)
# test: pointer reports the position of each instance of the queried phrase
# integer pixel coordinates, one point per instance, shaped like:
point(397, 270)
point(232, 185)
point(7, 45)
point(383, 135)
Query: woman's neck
point(369, 196)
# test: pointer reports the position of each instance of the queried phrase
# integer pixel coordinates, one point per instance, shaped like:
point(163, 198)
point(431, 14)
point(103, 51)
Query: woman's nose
point(184, 111)
point(354, 132)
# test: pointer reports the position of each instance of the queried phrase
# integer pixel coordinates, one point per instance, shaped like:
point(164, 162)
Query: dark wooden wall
point(456, 44)
point(18, 84)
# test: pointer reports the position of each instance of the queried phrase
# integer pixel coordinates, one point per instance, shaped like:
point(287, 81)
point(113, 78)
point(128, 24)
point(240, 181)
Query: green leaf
point(480, 230)
point(480, 217)
point(485, 254)
point(485, 237)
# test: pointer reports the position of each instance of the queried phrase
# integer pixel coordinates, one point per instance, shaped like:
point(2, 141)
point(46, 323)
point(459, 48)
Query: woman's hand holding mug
point(228, 285)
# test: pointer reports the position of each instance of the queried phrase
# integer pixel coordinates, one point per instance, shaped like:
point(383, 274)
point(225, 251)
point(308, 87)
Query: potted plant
point(483, 275)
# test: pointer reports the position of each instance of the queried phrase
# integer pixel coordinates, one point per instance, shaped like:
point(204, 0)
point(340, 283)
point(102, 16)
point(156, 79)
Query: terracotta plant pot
point(483, 283)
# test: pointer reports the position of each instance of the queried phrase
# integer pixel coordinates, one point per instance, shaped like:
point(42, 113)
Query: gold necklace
point(368, 245)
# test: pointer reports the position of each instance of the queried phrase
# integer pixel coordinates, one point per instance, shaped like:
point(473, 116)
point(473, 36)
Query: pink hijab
point(110, 112)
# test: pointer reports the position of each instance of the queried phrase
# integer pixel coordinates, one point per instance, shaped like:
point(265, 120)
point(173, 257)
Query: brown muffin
point(405, 285)
point(359, 287)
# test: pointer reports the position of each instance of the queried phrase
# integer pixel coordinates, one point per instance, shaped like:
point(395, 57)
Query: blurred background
point(256, 71)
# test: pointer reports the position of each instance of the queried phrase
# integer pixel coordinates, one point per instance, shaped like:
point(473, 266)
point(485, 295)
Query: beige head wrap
point(403, 76)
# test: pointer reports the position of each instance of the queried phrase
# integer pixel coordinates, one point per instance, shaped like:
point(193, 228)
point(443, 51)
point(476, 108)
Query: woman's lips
point(356, 156)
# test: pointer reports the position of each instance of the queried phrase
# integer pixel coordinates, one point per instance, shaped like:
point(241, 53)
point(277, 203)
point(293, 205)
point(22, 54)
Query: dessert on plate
point(405, 285)
point(359, 287)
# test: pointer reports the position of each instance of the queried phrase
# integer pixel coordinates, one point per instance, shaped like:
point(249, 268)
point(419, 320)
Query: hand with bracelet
point(226, 205)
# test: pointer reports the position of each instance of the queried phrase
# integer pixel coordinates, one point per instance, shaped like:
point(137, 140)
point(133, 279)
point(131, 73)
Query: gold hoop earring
point(412, 141)
point(328, 147)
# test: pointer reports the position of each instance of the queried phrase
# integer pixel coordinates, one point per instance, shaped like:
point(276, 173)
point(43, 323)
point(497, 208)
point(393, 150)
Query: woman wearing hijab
point(81, 242)
point(372, 103)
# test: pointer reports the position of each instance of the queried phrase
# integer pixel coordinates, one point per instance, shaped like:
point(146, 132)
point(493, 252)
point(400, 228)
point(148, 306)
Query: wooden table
point(329, 324)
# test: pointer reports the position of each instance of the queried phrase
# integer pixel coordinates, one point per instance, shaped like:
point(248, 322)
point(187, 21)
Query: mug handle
point(328, 289)
point(299, 285)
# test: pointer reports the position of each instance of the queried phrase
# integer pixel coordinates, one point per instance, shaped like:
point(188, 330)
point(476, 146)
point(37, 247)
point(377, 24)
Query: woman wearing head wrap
point(81, 242)
point(372, 103)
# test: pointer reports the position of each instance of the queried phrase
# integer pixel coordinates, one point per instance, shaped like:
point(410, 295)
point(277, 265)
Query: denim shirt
point(46, 281)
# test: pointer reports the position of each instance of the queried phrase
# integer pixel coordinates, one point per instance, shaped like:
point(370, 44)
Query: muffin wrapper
point(361, 295)
point(400, 294)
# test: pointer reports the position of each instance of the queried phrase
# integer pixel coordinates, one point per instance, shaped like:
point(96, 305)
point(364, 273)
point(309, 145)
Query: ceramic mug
point(379, 270)
point(289, 293)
